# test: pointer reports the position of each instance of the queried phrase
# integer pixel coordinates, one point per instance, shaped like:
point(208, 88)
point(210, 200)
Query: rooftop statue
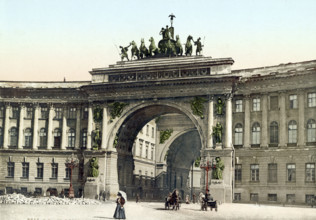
point(143, 49)
point(198, 46)
point(188, 46)
point(153, 50)
point(124, 52)
point(135, 51)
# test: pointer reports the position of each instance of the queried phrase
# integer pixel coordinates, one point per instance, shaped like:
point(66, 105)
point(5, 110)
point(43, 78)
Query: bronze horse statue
point(135, 51)
point(188, 46)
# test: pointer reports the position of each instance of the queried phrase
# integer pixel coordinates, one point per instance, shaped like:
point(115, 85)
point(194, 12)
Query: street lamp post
point(207, 167)
point(71, 163)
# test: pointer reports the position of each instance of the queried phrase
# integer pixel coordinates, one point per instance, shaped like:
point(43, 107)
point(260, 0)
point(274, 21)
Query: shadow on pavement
point(102, 217)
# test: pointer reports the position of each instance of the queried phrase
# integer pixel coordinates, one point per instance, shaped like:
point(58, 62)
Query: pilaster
point(89, 130)
point(210, 122)
point(50, 127)
point(264, 123)
point(64, 129)
point(229, 122)
point(301, 119)
point(6, 126)
point(35, 126)
point(247, 122)
point(21, 126)
point(78, 120)
point(104, 128)
point(283, 124)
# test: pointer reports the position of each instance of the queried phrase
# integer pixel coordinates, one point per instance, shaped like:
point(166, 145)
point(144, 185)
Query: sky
point(49, 40)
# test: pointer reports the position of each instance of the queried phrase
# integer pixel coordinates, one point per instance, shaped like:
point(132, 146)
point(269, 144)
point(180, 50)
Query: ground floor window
point(272, 197)
point(23, 190)
point(9, 190)
point(254, 197)
point(290, 198)
point(38, 191)
point(309, 198)
point(237, 197)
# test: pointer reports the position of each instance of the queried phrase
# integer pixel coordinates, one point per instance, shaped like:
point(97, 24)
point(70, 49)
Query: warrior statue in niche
point(219, 106)
point(217, 132)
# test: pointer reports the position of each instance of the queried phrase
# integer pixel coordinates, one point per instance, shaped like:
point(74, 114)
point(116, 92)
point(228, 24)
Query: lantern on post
point(71, 162)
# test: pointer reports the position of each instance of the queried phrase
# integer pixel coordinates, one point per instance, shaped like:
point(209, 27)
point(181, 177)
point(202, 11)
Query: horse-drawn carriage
point(207, 201)
point(173, 200)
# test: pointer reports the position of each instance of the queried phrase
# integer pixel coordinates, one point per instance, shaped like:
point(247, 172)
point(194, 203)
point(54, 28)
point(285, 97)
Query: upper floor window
point(40, 170)
point(152, 151)
point(54, 170)
point(311, 130)
point(310, 172)
point(256, 133)
point(1, 111)
point(146, 151)
point(274, 103)
point(72, 113)
point(29, 112)
point(311, 99)
point(274, 133)
point(293, 101)
point(15, 112)
point(238, 134)
point(67, 172)
point(152, 132)
point(28, 137)
point(238, 172)
point(291, 172)
point(58, 113)
point(1, 136)
point(256, 104)
point(10, 169)
point(239, 105)
point(254, 172)
point(147, 130)
point(71, 138)
point(272, 172)
point(57, 137)
point(84, 138)
point(43, 137)
point(44, 112)
point(292, 132)
point(140, 148)
point(85, 113)
point(13, 133)
point(25, 170)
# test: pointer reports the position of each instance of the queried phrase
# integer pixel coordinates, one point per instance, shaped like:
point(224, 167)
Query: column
point(6, 126)
point(105, 128)
point(229, 122)
point(301, 120)
point(264, 122)
point(283, 124)
point(50, 127)
point(78, 126)
point(247, 122)
point(35, 126)
point(111, 177)
point(64, 129)
point(21, 126)
point(89, 131)
point(210, 122)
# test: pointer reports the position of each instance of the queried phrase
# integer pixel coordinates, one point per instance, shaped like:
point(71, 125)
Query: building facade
point(267, 141)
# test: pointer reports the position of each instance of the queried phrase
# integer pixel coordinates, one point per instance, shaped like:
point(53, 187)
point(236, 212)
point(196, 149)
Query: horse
point(179, 49)
point(188, 46)
point(135, 51)
point(152, 47)
point(143, 49)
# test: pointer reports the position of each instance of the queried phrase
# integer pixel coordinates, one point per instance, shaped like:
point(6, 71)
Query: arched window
point(57, 137)
point(238, 134)
point(256, 133)
point(43, 137)
point(1, 137)
point(71, 137)
point(274, 133)
point(84, 138)
point(311, 130)
point(28, 137)
point(292, 132)
point(13, 133)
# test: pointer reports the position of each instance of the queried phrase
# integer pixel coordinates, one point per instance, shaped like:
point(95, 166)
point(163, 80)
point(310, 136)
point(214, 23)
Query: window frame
point(256, 105)
point(291, 172)
point(239, 105)
point(254, 173)
point(310, 173)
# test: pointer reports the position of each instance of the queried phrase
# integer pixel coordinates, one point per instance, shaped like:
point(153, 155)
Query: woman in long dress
point(119, 211)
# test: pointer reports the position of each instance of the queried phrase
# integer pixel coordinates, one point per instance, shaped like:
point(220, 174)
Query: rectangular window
point(146, 151)
point(274, 103)
point(147, 130)
point(309, 199)
point(67, 172)
point(311, 99)
point(293, 101)
point(58, 113)
point(72, 113)
point(54, 170)
point(29, 113)
point(10, 169)
point(272, 197)
point(15, 112)
point(152, 152)
point(23, 190)
point(290, 198)
point(256, 104)
point(152, 132)
point(40, 170)
point(38, 191)
point(237, 197)
point(85, 113)
point(25, 170)
point(310, 172)
point(272, 172)
point(44, 113)
point(254, 171)
point(239, 105)
point(291, 172)
point(1, 111)
point(238, 172)
point(140, 148)
point(9, 190)
point(254, 197)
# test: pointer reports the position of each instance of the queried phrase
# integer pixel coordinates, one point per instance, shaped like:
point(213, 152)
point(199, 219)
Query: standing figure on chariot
point(199, 46)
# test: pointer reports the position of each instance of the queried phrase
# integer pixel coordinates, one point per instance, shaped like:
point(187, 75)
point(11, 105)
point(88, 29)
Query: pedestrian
point(119, 211)
point(194, 198)
point(137, 198)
